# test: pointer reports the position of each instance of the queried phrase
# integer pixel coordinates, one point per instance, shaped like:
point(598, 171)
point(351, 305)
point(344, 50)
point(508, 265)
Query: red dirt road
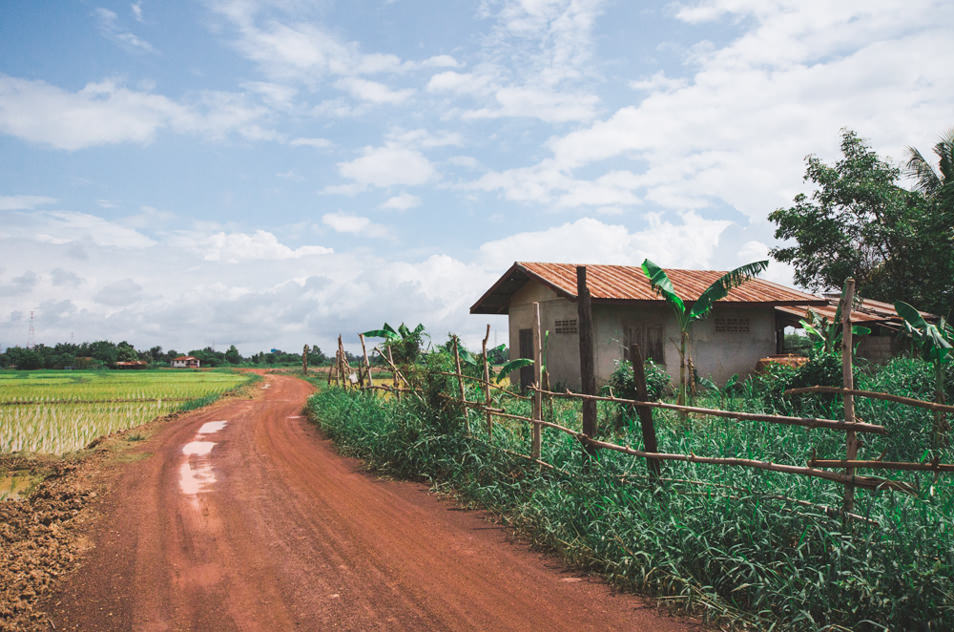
point(257, 524)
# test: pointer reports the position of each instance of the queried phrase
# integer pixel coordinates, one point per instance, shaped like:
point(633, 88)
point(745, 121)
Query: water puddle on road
point(195, 474)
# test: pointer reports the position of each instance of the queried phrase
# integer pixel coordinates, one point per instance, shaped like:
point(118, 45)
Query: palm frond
point(722, 285)
point(659, 281)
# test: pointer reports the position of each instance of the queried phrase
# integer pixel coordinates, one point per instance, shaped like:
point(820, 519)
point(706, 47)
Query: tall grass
point(726, 542)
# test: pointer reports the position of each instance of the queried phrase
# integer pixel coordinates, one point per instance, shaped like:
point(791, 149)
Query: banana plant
point(475, 363)
point(405, 343)
point(826, 336)
point(936, 345)
point(701, 307)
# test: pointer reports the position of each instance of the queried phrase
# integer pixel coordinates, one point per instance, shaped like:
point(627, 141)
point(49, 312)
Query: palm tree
point(937, 184)
point(701, 307)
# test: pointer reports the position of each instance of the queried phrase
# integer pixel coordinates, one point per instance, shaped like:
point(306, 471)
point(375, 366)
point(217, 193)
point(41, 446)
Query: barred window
point(565, 326)
point(732, 325)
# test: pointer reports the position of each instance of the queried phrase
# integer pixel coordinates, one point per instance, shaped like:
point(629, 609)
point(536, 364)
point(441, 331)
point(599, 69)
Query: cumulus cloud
point(690, 242)
point(106, 113)
point(387, 166)
point(257, 246)
point(24, 202)
point(373, 91)
point(119, 294)
point(401, 202)
point(354, 224)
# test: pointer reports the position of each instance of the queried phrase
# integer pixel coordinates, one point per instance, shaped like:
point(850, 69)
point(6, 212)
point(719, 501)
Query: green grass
point(62, 411)
point(723, 545)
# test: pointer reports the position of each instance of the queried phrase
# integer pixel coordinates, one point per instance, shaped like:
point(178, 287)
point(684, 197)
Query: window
point(565, 326)
point(732, 325)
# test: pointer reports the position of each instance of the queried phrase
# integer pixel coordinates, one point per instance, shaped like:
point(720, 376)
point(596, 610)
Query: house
point(884, 341)
point(132, 364)
point(185, 362)
point(742, 328)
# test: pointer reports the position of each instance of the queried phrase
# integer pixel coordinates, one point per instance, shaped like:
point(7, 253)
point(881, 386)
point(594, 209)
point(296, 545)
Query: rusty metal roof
point(608, 283)
point(866, 312)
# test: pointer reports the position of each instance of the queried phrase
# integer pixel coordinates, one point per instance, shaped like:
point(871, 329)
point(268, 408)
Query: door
point(526, 351)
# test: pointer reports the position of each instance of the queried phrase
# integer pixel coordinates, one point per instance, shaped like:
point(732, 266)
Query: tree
point(859, 222)
point(700, 309)
point(232, 355)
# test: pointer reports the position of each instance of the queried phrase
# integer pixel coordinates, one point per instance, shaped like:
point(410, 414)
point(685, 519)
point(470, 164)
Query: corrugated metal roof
point(868, 311)
point(628, 283)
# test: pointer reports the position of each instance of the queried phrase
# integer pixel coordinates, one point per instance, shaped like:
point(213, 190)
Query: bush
point(623, 381)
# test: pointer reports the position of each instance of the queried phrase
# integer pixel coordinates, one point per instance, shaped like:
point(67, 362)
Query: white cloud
point(424, 138)
point(372, 91)
point(692, 242)
point(119, 293)
point(317, 143)
point(402, 202)
point(136, 8)
point(257, 246)
point(387, 166)
point(354, 224)
point(24, 202)
point(457, 82)
point(541, 103)
point(737, 128)
point(66, 227)
point(108, 23)
point(106, 113)
point(440, 61)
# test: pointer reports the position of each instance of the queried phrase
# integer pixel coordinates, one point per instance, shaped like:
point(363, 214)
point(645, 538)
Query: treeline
point(105, 354)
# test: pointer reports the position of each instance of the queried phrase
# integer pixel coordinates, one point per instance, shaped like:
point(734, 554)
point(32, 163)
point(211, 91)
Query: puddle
point(196, 475)
point(198, 448)
point(212, 426)
point(14, 485)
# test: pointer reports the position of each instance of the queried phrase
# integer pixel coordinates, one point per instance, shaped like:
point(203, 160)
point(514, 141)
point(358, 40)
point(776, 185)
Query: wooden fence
point(539, 394)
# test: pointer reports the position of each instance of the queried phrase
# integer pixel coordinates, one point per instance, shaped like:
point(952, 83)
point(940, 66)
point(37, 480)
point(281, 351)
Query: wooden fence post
point(490, 419)
point(645, 414)
point(304, 360)
point(367, 363)
point(536, 430)
point(587, 376)
point(460, 385)
point(848, 382)
point(331, 368)
point(341, 364)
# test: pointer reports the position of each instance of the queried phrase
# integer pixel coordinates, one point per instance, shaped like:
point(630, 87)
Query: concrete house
point(742, 328)
point(185, 362)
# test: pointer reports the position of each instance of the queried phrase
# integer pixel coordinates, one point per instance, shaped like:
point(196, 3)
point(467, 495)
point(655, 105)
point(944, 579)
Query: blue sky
point(271, 173)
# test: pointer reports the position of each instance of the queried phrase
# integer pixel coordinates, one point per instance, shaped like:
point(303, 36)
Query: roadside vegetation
point(751, 547)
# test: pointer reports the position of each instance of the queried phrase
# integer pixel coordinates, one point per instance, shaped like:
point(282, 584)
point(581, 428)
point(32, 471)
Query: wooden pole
point(341, 365)
point(848, 383)
point(460, 385)
point(394, 373)
point(367, 363)
point(490, 419)
point(587, 376)
point(535, 433)
point(645, 414)
point(331, 368)
point(304, 360)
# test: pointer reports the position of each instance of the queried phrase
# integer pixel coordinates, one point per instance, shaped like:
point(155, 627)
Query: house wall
point(746, 333)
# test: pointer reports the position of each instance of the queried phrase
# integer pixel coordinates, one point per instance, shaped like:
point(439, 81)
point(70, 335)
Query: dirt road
point(242, 517)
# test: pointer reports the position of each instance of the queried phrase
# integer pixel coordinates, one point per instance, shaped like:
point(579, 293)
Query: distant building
point(185, 362)
point(135, 364)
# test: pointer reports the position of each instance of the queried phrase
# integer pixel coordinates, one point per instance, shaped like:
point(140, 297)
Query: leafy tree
point(405, 344)
point(700, 309)
point(125, 352)
point(859, 222)
point(232, 355)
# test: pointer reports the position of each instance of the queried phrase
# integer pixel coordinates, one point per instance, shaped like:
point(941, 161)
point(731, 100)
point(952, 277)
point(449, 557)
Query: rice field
point(54, 412)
